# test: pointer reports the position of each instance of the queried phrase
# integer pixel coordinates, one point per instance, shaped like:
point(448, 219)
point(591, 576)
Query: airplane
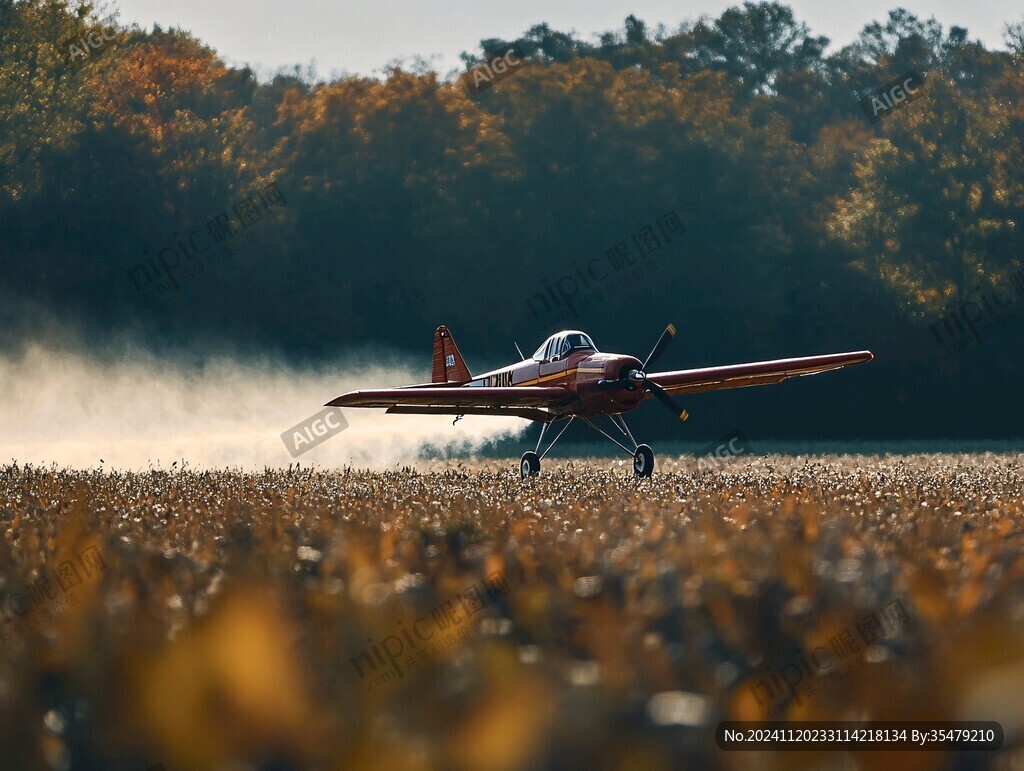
point(568, 379)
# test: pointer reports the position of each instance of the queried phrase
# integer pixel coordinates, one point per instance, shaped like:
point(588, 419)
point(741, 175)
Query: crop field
point(452, 616)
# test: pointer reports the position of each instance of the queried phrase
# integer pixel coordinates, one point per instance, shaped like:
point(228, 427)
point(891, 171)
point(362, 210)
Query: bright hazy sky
point(363, 37)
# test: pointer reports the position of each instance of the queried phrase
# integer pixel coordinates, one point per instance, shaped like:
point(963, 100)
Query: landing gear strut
point(529, 464)
point(643, 455)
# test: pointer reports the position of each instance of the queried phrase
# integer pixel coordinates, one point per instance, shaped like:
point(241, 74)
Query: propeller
point(663, 396)
point(638, 376)
point(660, 346)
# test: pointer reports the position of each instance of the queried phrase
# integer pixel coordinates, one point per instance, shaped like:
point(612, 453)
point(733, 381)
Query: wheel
point(643, 461)
point(529, 465)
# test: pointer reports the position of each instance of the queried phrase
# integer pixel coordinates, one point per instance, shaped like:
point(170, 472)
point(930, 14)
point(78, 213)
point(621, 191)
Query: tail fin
point(449, 366)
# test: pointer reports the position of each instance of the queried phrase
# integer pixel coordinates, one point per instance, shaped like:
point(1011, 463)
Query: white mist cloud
point(74, 410)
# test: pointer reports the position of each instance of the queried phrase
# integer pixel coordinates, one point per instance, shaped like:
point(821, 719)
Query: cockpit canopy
point(562, 343)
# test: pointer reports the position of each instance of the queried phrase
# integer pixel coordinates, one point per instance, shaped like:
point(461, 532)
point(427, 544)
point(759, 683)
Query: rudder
point(449, 366)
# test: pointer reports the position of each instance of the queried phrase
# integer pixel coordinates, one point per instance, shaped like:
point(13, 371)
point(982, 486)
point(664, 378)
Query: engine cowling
point(600, 383)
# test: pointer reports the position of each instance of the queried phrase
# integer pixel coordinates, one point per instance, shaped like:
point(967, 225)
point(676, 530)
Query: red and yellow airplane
point(568, 379)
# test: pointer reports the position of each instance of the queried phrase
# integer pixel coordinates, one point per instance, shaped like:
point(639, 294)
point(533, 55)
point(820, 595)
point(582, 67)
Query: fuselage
point(579, 371)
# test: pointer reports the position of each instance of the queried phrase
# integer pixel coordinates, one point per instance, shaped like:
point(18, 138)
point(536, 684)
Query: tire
point(529, 465)
point(643, 461)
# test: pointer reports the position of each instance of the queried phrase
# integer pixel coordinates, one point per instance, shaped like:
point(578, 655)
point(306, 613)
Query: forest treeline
point(722, 176)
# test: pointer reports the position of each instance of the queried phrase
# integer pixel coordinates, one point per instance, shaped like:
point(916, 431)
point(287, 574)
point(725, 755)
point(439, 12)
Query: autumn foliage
point(414, 203)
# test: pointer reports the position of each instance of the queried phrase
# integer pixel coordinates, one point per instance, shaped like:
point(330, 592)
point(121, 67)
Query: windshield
point(578, 340)
point(538, 355)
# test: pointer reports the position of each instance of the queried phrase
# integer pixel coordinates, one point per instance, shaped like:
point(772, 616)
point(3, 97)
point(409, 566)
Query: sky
point(341, 36)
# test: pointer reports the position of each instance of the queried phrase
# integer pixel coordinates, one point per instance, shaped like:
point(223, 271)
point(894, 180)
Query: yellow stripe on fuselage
point(546, 378)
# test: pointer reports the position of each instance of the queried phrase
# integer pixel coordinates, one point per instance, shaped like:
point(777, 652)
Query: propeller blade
point(663, 341)
point(665, 398)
